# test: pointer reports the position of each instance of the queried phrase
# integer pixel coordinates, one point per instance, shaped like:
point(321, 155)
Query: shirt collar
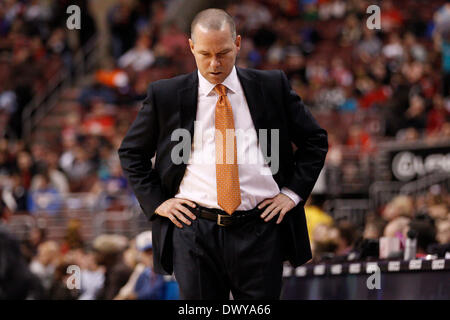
point(231, 82)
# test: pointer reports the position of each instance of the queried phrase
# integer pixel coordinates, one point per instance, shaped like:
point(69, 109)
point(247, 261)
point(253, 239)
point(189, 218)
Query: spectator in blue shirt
point(149, 285)
point(45, 198)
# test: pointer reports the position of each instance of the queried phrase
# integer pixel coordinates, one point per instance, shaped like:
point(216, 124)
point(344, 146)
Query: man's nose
point(215, 63)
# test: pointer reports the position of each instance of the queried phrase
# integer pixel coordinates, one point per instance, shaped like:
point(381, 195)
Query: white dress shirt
point(255, 178)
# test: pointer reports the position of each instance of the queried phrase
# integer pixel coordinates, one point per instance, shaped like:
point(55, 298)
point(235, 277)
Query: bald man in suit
point(219, 226)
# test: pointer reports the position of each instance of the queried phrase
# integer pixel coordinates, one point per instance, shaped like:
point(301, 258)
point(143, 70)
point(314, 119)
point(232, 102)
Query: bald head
point(213, 19)
point(216, 44)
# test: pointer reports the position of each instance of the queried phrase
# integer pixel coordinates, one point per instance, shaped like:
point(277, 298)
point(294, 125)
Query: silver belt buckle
point(219, 220)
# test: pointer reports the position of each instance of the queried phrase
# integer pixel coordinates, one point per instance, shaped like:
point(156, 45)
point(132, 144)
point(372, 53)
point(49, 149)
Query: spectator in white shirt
point(140, 57)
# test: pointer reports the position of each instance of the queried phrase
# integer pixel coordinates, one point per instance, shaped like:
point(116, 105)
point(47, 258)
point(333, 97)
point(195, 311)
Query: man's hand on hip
point(280, 204)
point(176, 211)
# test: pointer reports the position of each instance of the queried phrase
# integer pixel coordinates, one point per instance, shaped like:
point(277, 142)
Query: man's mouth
point(215, 73)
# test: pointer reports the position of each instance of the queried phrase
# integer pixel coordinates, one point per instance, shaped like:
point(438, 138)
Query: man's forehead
point(201, 32)
point(213, 47)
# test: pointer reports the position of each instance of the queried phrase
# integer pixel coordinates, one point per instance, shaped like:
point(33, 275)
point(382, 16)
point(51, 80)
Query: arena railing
point(35, 111)
point(86, 210)
point(353, 210)
point(382, 192)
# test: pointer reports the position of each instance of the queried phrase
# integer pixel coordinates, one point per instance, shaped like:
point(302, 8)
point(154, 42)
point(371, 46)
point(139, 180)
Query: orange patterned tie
point(227, 174)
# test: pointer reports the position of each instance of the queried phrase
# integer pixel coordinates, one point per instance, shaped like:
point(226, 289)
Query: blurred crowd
point(428, 215)
point(111, 268)
point(346, 73)
point(34, 47)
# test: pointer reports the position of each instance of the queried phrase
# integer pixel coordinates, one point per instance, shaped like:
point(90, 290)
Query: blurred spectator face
point(354, 131)
point(399, 206)
point(43, 182)
point(396, 226)
point(324, 240)
point(443, 231)
point(409, 39)
point(98, 107)
point(417, 107)
point(116, 169)
point(131, 256)
point(47, 252)
point(24, 160)
point(105, 152)
point(295, 61)
point(81, 155)
point(438, 211)
point(379, 69)
point(3, 145)
point(52, 159)
point(410, 134)
point(143, 42)
point(89, 262)
point(345, 236)
point(438, 102)
point(146, 257)
point(371, 231)
point(333, 234)
point(75, 256)
point(445, 131)
point(321, 233)
point(374, 226)
point(140, 87)
point(21, 55)
point(108, 247)
point(69, 142)
point(72, 119)
point(15, 180)
point(38, 151)
point(214, 52)
point(56, 41)
point(413, 71)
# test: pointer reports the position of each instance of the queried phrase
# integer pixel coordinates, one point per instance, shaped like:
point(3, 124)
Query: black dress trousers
point(244, 258)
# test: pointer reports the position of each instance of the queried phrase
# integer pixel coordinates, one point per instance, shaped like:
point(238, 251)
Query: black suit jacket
point(172, 103)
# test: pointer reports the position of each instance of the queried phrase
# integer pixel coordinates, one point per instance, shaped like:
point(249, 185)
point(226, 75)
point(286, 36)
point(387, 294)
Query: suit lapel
point(188, 104)
point(256, 104)
point(255, 99)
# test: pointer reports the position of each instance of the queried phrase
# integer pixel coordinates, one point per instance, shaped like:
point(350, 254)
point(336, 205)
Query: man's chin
point(216, 78)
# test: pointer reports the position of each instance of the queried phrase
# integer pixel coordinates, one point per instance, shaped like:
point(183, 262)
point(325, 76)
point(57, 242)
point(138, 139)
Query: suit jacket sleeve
point(310, 139)
point(135, 153)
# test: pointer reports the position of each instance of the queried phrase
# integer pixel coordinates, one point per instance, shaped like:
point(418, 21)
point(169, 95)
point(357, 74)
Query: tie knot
point(221, 90)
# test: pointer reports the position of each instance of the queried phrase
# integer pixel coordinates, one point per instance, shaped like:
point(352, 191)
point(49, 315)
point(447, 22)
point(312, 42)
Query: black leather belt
point(222, 218)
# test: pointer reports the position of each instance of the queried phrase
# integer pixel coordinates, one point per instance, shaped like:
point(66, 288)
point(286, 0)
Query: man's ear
point(237, 42)
point(191, 45)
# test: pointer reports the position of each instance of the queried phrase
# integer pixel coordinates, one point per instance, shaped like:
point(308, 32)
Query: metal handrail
point(353, 210)
point(95, 218)
point(381, 192)
point(41, 105)
point(423, 184)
